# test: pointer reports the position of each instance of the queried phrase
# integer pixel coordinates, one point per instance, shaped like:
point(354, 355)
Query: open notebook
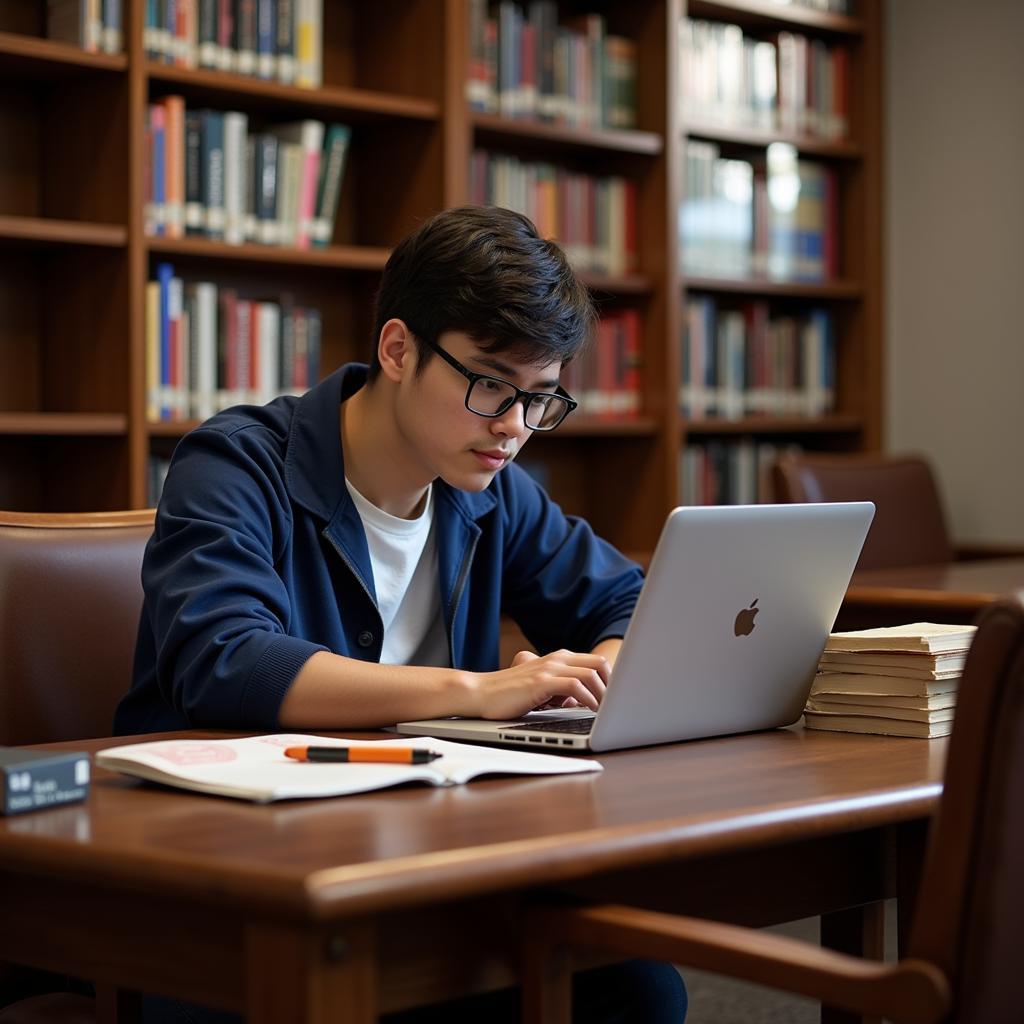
point(255, 768)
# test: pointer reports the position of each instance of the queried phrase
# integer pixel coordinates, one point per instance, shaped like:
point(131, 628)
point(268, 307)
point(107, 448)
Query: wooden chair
point(963, 962)
point(70, 598)
point(909, 526)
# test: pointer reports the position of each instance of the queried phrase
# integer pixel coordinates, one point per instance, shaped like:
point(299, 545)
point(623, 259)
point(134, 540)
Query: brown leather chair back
point(969, 918)
point(909, 527)
point(70, 597)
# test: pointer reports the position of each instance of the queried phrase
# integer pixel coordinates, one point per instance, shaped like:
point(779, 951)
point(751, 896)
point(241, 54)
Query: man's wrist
point(462, 694)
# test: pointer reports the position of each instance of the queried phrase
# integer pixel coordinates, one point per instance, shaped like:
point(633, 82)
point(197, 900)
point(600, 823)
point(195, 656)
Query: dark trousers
point(636, 992)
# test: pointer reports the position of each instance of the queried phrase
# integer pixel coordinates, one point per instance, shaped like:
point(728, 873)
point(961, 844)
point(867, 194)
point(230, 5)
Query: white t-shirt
point(403, 557)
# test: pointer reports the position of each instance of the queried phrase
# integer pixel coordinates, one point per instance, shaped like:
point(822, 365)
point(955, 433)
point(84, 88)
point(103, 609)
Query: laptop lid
point(727, 633)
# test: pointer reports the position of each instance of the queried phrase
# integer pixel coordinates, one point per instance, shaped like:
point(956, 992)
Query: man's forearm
point(334, 692)
point(609, 649)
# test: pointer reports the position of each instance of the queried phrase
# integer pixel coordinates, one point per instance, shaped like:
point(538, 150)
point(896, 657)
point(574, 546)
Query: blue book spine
point(164, 273)
point(159, 179)
point(211, 147)
point(266, 43)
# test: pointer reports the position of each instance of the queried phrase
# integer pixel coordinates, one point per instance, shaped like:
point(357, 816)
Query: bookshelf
point(74, 258)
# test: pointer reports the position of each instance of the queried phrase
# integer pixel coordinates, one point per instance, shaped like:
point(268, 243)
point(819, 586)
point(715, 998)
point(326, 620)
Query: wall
point(954, 112)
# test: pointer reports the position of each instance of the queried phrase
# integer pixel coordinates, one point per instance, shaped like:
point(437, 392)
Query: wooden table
point(951, 592)
point(331, 910)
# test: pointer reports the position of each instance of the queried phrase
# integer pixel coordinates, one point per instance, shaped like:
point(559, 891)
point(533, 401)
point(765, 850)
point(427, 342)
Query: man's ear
point(396, 350)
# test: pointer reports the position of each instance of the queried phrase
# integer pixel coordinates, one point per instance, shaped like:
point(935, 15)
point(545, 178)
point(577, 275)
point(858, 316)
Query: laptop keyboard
point(577, 726)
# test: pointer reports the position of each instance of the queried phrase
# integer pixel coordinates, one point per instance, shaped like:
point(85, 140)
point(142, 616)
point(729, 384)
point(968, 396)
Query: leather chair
point(70, 598)
point(963, 958)
point(909, 526)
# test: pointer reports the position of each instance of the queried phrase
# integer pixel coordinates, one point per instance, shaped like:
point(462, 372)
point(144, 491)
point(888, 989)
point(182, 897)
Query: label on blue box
point(35, 779)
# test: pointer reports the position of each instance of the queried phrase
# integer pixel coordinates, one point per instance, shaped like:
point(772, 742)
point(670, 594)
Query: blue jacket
point(259, 560)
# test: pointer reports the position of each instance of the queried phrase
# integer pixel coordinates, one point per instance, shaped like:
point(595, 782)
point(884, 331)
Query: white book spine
point(235, 125)
point(205, 368)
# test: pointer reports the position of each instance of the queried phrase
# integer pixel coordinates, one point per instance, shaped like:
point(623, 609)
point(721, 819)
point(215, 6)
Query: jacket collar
point(315, 464)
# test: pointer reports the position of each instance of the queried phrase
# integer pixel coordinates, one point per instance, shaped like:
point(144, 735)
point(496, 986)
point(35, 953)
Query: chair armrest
point(910, 991)
point(976, 552)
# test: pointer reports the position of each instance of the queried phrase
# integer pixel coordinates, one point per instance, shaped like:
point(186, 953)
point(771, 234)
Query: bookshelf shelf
point(335, 257)
point(30, 55)
point(807, 145)
point(628, 284)
point(605, 426)
point(489, 127)
point(764, 13)
point(63, 424)
point(782, 289)
point(45, 232)
point(354, 104)
point(764, 425)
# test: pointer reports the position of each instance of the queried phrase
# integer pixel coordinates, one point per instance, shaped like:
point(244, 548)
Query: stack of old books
point(898, 680)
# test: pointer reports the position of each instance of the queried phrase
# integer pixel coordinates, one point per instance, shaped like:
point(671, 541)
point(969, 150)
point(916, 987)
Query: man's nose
point(512, 421)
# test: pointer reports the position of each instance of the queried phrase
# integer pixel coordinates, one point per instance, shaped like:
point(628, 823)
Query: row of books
point(593, 218)
point(207, 348)
point(279, 40)
point(606, 379)
point(776, 219)
point(208, 175)
point(746, 362)
point(788, 83)
point(524, 63)
point(93, 25)
point(735, 472)
point(894, 680)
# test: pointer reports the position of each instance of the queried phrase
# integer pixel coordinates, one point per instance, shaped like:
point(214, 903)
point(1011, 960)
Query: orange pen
point(374, 753)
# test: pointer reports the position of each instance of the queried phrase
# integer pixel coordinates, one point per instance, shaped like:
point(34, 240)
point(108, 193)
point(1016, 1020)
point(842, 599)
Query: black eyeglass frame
point(521, 395)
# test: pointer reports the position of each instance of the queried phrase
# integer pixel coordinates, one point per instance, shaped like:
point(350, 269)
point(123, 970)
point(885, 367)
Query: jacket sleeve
point(218, 608)
point(564, 585)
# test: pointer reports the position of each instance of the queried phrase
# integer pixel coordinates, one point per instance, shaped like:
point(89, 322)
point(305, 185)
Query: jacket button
point(365, 639)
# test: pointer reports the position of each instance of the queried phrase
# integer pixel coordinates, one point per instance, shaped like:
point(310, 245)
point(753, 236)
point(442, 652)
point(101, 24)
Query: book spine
point(266, 41)
point(212, 153)
point(245, 37)
point(195, 201)
point(331, 174)
point(208, 56)
point(158, 125)
point(249, 207)
point(266, 188)
point(235, 125)
point(174, 210)
point(285, 41)
point(226, 35)
point(152, 344)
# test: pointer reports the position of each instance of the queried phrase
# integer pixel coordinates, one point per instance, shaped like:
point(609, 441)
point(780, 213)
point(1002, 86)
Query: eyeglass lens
point(491, 397)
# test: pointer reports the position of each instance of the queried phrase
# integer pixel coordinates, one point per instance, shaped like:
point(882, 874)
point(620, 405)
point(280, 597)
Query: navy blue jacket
point(259, 560)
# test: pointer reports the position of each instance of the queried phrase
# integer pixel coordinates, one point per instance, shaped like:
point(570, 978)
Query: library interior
point(797, 224)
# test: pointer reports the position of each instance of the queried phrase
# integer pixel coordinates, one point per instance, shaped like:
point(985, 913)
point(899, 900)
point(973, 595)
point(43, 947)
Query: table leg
point(311, 978)
point(859, 931)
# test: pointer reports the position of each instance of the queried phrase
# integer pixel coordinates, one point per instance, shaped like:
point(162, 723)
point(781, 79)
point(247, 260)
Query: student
point(342, 560)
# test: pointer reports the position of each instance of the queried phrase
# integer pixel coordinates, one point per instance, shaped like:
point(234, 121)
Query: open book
point(255, 768)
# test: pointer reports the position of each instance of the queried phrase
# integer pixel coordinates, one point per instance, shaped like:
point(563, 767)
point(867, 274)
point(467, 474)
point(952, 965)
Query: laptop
point(725, 638)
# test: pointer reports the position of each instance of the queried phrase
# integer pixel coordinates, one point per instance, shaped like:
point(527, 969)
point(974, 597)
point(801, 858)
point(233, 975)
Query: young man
point(342, 560)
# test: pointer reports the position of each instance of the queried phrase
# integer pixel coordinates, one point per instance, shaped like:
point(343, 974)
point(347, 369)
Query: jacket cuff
point(271, 678)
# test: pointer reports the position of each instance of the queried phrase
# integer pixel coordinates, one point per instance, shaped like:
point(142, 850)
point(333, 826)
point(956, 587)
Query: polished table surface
point(950, 592)
point(153, 887)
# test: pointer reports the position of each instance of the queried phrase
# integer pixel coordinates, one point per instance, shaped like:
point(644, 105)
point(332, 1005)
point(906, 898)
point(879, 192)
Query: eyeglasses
point(492, 396)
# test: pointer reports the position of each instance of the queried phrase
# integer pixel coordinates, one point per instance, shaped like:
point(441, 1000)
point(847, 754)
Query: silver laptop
point(725, 638)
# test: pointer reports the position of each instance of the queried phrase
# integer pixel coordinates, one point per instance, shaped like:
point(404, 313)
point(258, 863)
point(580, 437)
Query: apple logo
point(744, 624)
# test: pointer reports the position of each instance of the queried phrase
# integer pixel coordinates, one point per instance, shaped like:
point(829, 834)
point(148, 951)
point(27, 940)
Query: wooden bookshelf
point(74, 258)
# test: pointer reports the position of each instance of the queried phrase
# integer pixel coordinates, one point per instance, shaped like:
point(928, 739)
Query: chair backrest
point(909, 526)
point(70, 597)
point(969, 918)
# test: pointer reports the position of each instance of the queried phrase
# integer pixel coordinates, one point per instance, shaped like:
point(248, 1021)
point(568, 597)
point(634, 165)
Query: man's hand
point(559, 679)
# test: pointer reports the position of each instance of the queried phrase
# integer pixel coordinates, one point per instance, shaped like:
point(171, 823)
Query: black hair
point(486, 272)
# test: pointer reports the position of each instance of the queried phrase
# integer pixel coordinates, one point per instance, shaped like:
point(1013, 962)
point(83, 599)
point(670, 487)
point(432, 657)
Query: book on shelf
point(208, 174)
point(594, 218)
point(256, 768)
point(605, 380)
point(914, 637)
point(913, 698)
point(741, 361)
point(207, 348)
point(524, 63)
point(787, 82)
point(775, 218)
point(276, 40)
point(93, 25)
point(719, 472)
